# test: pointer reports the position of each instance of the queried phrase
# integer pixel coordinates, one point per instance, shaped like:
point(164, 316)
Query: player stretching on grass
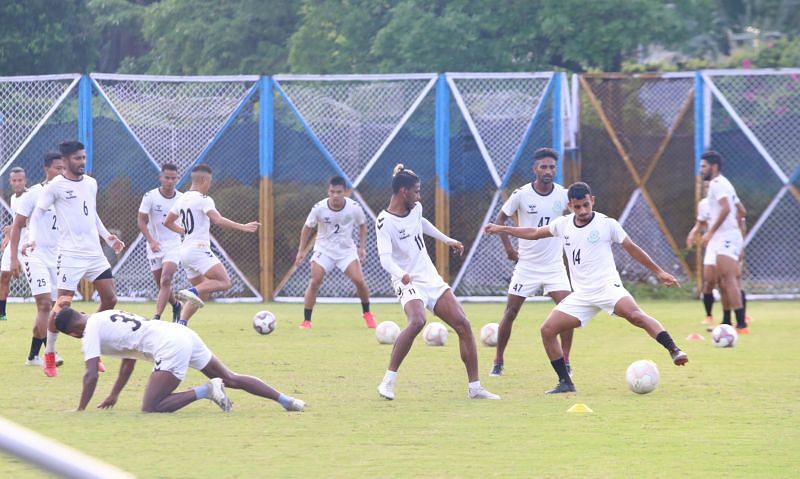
point(74, 196)
point(587, 238)
point(335, 217)
point(403, 254)
point(205, 271)
point(173, 349)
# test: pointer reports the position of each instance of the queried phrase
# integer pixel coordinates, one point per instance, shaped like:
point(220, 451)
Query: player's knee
point(510, 313)
point(548, 330)
point(166, 280)
point(463, 327)
point(44, 304)
point(108, 302)
point(416, 323)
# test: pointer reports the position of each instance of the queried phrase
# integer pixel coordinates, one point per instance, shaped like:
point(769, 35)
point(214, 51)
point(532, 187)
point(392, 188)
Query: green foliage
point(45, 37)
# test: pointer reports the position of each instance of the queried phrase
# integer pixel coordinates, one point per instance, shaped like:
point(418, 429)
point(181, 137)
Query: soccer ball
point(264, 322)
point(489, 334)
point(642, 376)
point(386, 332)
point(724, 336)
point(435, 334)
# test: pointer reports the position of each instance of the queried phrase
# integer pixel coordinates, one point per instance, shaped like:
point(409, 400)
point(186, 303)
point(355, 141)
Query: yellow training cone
point(580, 407)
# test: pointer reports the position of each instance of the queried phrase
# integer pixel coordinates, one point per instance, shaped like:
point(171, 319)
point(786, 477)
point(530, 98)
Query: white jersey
point(703, 212)
point(588, 249)
point(718, 189)
point(536, 210)
point(402, 237)
point(335, 227)
point(75, 203)
point(125, 335)
point(156, 206)
point(16, 203)
point(192, 209)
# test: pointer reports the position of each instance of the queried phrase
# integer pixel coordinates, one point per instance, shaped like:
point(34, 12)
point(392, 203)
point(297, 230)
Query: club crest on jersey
point(566, 241)
point(594, 236)
point(326, 220)
point(532, 208)
point(69, 194)
point(403, 234)
point(557, 207)
point(158, 208)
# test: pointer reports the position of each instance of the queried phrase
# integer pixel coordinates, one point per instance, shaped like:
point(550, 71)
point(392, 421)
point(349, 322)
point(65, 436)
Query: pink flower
point(746, 63)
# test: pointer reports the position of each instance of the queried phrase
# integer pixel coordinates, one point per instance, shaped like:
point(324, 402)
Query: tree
point(120, 24)
point(44, 37)
point(203, 37)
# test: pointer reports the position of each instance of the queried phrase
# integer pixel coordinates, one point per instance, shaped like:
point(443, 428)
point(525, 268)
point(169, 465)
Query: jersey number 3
point(126, 319)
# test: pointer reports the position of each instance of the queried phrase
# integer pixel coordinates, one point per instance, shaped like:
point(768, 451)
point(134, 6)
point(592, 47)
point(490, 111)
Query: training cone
point(695, 337)
point(580, 407)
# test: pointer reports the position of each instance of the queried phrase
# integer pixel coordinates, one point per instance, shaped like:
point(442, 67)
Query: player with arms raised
point(74, 197)
point(40, 265)
point(540, 264)
point(335, 217)
point(197, 211)
point(163, 244)
point(586, 237)
point(418, 285)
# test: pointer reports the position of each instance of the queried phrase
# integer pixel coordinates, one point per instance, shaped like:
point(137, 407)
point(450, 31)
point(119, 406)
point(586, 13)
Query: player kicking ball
point(173, 349)
point(418, 285)
point(197, 211)
point(587, 238)
point(335, 217)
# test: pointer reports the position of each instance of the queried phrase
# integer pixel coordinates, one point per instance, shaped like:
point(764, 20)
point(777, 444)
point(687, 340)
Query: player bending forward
point(172, 348)
point(403, 254)
point(587, 238)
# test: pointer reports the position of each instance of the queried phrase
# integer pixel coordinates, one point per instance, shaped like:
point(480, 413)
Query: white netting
point(175, 121)
point(23, 105)
point(134, 280)
point(353, 119)
point(502, 110)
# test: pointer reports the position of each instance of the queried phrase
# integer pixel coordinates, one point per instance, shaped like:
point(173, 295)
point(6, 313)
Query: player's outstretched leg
point(44, 306)
point(565, 336)
point(415, 313)
point(310, 296)
point(353, 271)
point(556, 323)
point(449, 309)
point(628, 309)
point(216, 370)
point(159, 396)
point(513, 305)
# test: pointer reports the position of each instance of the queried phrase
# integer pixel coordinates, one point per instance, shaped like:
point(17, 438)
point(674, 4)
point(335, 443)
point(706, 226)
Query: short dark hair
point(169, 166)
point(545, 153)
point(337, 181)
point(403, 178)
point(50, 157)
point(17, 169)
point(69, 147)
point(578, 191)
point(64, 319)
point(712, 158)
point(202, 168)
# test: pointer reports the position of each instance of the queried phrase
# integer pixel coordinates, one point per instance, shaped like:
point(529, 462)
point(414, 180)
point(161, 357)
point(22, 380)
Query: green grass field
point(729, 413)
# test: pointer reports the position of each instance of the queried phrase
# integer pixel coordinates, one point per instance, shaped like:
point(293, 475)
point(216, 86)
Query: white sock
point(389, 377)
point(51, 342)
point(474, 385)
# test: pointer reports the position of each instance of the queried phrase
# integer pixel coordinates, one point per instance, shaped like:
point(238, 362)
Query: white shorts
point(169, 255)
point(327, 262)
point(709, 257)
point(726, 244)
point(42, 278)
point(72, 269)
point(197, 261)
point(180, 353)
point(428, 292)
point(526, 281)
point(5, 261)
point(584, 305)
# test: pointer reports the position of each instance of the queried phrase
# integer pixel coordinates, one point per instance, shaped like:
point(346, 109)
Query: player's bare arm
point(142, 219)
point(169, 223)
point(305, 234)
point(125, 370)
point(224, 222)
point(89, 382)
point(111, 240)
point(512, 253)
point(16, 230)
point(517, 231)
point(645, 260)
